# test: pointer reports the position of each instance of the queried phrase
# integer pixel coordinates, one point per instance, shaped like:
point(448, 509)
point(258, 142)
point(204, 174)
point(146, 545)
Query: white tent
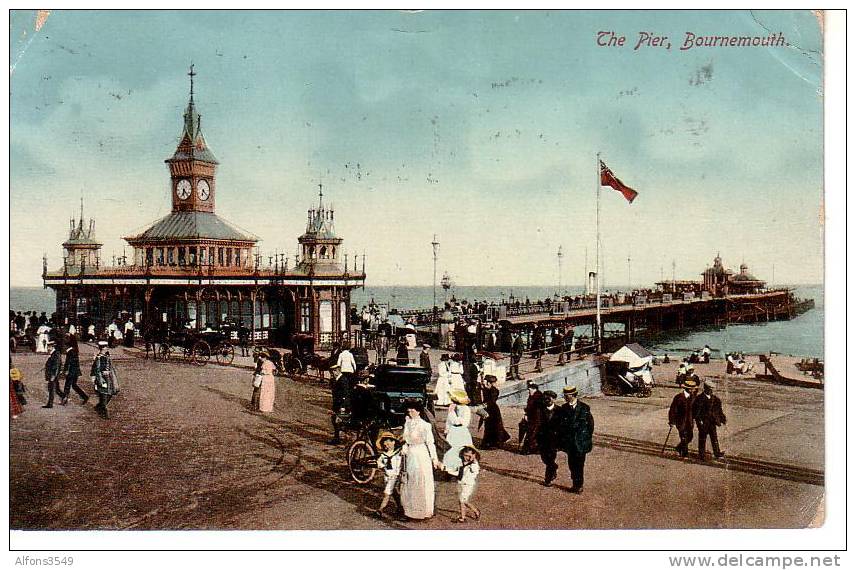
point(634, 355)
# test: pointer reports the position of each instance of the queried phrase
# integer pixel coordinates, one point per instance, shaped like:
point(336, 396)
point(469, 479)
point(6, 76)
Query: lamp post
point(559, 256)
point(435, 245)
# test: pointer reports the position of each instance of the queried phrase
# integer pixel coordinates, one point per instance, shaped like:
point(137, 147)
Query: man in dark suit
point(545, 436)
point(517, 349)
point(681, 415)
point(708, 414)
point(425, 357)
point(574, 437)
point(538, 345)
point(53, 367)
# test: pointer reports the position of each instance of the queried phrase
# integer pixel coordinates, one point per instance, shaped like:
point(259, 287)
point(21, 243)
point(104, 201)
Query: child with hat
point(468, 473)
point(390, 461)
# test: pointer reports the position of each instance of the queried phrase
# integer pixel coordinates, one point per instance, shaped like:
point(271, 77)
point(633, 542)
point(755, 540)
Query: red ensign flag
point(607, 178)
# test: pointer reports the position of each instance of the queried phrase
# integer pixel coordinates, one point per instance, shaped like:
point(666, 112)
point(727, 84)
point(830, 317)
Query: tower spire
point(320, 196)
point(192, 74)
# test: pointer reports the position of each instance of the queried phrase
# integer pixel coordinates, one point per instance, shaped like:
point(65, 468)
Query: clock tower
point(192, 166)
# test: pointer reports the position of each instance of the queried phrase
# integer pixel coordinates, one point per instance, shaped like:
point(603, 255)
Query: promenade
point(182, 450)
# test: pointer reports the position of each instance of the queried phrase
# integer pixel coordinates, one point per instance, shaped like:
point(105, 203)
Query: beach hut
point(635, 355)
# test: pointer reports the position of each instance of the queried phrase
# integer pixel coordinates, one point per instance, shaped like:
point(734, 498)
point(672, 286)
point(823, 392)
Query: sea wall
point(584, 374)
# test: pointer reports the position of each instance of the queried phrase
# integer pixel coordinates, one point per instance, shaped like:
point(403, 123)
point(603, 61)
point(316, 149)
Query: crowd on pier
point(412, 460)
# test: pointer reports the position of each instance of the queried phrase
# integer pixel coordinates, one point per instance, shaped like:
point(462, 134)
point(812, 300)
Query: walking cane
point(667, 440)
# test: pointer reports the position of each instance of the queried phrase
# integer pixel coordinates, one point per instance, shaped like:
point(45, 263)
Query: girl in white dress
point(420, 459)
point(468, 473)
point(457, 431)
point(442, 387)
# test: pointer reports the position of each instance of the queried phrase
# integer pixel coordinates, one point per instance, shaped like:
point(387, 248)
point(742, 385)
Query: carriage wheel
point(609, 389)
point(362, 461)
point(293, 366)
point(225, 354)
point(200, 354)
point(644, 392)
point(164, 352)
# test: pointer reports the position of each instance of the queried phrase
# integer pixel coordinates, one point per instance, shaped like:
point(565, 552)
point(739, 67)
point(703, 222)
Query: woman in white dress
point(442, 387)
point(456, 374)
point(420, 458)
point(42, 342)
point(457, 431)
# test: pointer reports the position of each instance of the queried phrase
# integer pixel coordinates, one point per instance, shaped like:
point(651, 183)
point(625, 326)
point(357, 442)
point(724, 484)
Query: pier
point(636, 313)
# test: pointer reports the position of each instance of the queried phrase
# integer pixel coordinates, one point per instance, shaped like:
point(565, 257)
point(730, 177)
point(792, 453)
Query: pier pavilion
point(193, 268)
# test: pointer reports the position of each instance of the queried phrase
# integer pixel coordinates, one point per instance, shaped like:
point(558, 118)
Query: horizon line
point(544, 286)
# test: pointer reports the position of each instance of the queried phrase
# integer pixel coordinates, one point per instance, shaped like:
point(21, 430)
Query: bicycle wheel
point(200, 354)
point(225, 353)
point(362, 461)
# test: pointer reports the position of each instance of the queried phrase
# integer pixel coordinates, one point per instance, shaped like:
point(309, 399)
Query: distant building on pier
point(192, 268)
point(717, 280)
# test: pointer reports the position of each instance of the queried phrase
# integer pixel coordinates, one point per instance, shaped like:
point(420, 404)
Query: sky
point(479, 127)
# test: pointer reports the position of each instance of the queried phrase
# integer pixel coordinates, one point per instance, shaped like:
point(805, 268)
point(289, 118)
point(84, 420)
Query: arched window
point(323, 252)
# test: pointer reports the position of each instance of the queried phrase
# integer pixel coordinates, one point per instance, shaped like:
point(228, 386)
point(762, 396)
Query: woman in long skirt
point(457, 431)
point(456, 374)
point(442, 387)
point(267, 391)
point(42, 340)
point(420, 458)
point(15, 407)
point(494, 430)
point(254, 400)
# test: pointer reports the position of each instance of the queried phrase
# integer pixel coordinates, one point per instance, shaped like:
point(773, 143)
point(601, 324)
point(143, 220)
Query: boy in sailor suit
point(390, 461)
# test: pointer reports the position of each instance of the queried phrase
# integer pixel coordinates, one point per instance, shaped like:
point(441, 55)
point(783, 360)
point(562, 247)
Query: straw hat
point(459, 397)
point(690, 383)
point(569, 390)
point(469, 448)
point(15, 375)
point(384, 435)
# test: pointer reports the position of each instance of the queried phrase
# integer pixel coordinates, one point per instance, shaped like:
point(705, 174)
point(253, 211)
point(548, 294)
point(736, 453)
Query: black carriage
point(195, 347)
point(378, 404)
point(303, 357)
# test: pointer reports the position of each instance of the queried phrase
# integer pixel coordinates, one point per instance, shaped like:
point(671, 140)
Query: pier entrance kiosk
point(193, 269)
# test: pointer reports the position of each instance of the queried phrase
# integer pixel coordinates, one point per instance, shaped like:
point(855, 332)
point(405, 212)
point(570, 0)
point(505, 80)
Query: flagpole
point(597, 258)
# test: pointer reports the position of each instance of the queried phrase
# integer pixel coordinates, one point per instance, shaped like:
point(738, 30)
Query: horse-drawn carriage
point(378, 404)
point(303, 357)
point(196, 347)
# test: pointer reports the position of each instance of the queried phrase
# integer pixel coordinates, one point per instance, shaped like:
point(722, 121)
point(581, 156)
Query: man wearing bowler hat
point(708, 414)
point(425, 357)
point(574, 437)
point(681, 415)
point(53, 367)
point(104, 377)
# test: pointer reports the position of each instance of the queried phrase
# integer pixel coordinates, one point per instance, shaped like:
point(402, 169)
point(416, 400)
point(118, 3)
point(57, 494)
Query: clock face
point(182, 189)
point(203, 189)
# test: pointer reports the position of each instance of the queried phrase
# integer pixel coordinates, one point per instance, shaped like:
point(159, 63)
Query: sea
point(802, 336)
